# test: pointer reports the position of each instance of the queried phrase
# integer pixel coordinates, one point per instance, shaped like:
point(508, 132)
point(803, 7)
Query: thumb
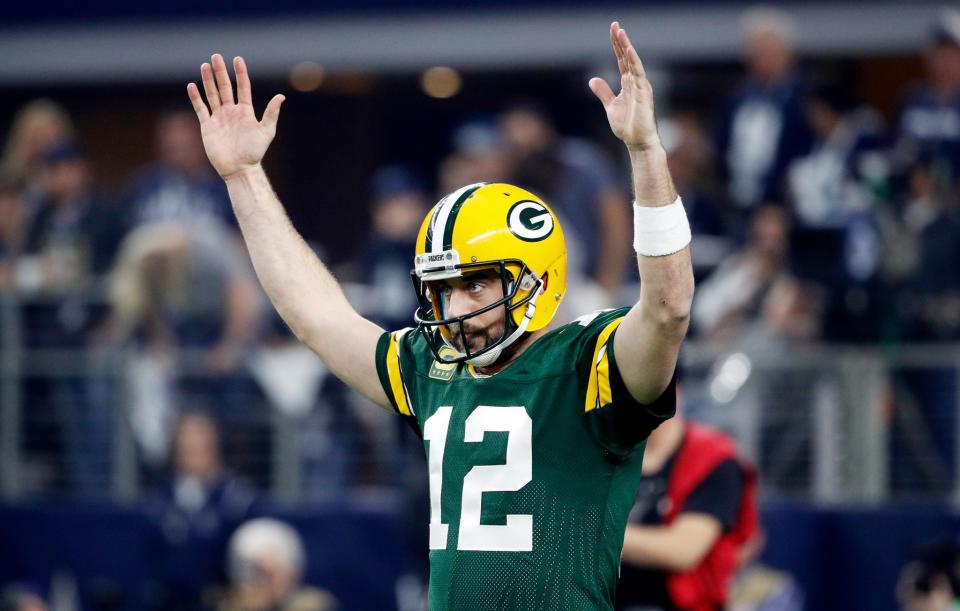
point(272, 113)
point(600, 89)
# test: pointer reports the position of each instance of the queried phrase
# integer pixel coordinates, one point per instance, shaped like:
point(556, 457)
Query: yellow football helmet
point(490, 226)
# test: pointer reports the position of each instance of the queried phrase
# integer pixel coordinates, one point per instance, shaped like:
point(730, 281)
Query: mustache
point(467, 329)
point(473, 338)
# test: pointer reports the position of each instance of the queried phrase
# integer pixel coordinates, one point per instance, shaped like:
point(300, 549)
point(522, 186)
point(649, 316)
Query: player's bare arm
point(305, 294)
point(648, 341)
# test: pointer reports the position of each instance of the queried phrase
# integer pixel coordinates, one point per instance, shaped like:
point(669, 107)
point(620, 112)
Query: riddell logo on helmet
point(530, 221)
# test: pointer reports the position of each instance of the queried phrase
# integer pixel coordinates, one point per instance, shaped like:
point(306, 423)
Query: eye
point(475, 286)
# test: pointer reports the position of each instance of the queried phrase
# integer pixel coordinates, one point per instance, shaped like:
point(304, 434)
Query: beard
point(477, 338)
point(480, 338)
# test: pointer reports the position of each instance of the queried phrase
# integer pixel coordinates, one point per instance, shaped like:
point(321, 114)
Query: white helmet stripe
point(443, 213)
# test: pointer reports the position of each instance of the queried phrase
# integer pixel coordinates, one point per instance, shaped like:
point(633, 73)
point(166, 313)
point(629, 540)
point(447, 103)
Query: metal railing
point(822, 422)
point(836, 423)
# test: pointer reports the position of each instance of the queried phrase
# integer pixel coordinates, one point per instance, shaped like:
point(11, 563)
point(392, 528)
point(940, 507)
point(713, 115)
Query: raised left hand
point(630, 112)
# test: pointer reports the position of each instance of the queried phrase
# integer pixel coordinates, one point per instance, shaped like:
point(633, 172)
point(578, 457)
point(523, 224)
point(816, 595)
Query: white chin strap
point(488, 358)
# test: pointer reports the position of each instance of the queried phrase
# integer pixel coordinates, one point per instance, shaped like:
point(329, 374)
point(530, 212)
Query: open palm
point(630, 113)
point(232, 136)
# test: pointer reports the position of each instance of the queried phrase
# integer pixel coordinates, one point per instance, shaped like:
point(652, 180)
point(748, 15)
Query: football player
point(533, 437)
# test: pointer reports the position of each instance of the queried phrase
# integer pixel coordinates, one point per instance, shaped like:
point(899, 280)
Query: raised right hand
point(232, 136)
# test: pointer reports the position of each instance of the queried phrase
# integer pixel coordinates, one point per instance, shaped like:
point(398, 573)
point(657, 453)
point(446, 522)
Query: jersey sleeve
point(616, 420)
point(393, 370)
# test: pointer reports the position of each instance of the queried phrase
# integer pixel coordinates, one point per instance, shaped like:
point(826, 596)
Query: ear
point(546, 280)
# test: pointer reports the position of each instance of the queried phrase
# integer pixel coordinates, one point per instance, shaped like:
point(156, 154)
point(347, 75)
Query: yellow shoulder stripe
point(598, 386)
point(396, 381)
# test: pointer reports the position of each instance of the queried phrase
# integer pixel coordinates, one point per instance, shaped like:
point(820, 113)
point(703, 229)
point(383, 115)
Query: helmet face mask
point(441, 330)
point(488, 227)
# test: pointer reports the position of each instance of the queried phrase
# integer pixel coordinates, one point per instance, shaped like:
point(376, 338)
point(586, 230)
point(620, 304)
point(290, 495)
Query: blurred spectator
point(155, 289)
point(75, 233)
point(195, 513)
point(581, 187)
point(184, 287)
point(753, 295)
point(398, 207)
point(181, 186)
point(929, 301)
point(762, 127)
point(477, 156)
point(696, 515)
point(266, 562)
point(832, 191)
point(689, 156)
point(930, 118)
point(931, 581)
point(35, 128)
point(833, 182)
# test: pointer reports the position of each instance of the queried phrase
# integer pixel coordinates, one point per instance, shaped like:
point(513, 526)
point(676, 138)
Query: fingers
point(198, 106)
point(223, 79)
point(602, 90)
point(272, 113)
point(244, 91)
point(630, 56)
point(209, 87)
point(617, 50)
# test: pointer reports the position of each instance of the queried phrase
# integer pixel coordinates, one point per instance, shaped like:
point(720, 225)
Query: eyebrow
point(488, 275)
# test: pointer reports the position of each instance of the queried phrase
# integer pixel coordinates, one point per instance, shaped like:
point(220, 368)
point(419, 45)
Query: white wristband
point(660, 231)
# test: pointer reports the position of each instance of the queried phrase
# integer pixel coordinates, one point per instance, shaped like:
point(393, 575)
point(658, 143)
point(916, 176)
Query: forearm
point(305, 294)
point(677, 547)
point(666, 282)
point(291, 274)
point(651, 547)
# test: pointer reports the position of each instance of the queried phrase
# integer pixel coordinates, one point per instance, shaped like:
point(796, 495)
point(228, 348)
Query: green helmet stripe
point(452, 217)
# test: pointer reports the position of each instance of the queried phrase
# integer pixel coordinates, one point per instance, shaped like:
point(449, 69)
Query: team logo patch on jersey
point(444, 371)
point(529, 221)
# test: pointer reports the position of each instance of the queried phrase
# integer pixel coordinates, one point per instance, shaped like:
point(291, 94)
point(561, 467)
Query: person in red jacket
point(695, 516)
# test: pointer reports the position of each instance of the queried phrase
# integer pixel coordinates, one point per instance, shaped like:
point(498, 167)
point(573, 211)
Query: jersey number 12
point(517, 534)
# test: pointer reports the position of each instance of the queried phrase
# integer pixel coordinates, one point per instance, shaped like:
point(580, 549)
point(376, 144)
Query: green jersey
point(533, 470)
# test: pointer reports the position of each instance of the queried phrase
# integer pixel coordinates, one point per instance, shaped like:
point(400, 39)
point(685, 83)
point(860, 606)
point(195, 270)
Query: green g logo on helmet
point(529, 221)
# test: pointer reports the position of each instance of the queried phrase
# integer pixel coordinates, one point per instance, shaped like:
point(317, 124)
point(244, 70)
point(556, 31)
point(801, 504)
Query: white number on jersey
point(517, 534)
point(586, 319)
